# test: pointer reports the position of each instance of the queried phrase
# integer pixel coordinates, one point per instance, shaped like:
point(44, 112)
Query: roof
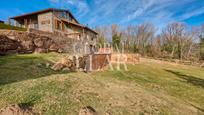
point(43, 11)
point(53, 9)
point(79, 25)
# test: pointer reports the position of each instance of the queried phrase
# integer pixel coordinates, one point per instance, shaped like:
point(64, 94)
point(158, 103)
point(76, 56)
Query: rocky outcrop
point(8, 45)
point(64, 63)
point(71, 63)
point(25, 42)
point(42, 42)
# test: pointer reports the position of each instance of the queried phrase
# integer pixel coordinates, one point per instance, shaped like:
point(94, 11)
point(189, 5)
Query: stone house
point(56, 21)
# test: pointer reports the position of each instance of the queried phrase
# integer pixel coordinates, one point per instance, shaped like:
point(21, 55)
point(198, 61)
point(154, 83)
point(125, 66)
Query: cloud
point(80, 6)
point(105, 12)
point(192, 13)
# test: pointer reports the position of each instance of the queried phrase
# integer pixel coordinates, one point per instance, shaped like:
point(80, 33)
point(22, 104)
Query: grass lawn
point(150, 87)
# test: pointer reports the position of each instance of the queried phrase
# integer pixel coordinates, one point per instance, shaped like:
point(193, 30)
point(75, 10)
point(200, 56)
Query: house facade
point(55, 20)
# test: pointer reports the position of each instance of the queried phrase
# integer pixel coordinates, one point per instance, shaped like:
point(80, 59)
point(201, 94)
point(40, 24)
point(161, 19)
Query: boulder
point(60, 64)
point(87, 111)
point(53, 47)
point(57, 67)
point(48, 43)
point(7, 44)
point(38, 43)
point(64, 63)
point(40, 50)
point(27, 45)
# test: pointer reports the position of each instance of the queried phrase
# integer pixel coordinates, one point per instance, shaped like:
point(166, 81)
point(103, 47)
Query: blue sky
point(122, 12)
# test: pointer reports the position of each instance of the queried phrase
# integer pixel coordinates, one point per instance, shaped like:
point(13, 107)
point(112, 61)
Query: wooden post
point(9, 21)
point(62, 26)
point(55, 25)
point(83, 34)
point(25, 23)
point(30, 23)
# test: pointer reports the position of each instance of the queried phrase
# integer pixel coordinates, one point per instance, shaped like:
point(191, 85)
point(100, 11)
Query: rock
point(87, 111)
point(47, 65)
point(57, 66)
point(82, 62)
point(40, 50)
point(48, 43)
point(66, 69)
point(53, 47)
point(65, 63)
point(27, 46)
point(25, 42)
point(16, 110)
point(7, 44)
point(38, 42)
point(60, 50)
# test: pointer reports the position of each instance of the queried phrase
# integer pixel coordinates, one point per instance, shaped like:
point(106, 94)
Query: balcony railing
point(34, 26)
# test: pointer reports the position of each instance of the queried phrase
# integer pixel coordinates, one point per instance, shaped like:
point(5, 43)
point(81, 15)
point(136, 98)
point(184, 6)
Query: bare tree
point(176, 40)
point(145, 34)
point(102, 35)
point(129, 36)
point(174, 36)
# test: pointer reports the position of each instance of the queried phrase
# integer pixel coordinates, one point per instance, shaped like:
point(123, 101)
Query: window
point(63, 15)
point(45, 22)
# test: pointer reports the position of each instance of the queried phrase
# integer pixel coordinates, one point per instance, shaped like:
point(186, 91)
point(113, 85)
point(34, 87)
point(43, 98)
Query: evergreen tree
point(116, 39)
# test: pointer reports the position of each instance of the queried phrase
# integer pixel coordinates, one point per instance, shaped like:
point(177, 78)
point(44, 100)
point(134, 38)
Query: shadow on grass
point(188, 78)
point(26, 106)
point(198, 108)
point(19, 68)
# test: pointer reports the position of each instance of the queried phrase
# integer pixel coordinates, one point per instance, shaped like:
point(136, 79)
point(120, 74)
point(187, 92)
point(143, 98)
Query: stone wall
point(8, 46)
point(42, 42)
point(27, 42)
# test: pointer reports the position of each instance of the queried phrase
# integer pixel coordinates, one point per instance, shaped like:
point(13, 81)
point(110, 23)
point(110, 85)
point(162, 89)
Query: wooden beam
point(9, 21)
point(26, 23)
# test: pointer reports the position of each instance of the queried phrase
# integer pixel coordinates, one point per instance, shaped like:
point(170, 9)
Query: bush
point(9, 27)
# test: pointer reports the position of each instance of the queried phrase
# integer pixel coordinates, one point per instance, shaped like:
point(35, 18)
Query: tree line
point(176, 41)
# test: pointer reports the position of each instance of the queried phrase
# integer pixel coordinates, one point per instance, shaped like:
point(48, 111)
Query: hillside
point(151, 87)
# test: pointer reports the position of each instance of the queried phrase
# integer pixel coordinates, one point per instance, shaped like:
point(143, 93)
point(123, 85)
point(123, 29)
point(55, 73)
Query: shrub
point(9, 27)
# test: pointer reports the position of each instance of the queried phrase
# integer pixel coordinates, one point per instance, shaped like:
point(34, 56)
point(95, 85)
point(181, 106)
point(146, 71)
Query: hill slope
point(150, 87)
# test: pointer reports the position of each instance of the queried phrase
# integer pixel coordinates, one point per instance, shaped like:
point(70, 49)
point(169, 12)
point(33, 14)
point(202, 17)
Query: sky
point(123, 12)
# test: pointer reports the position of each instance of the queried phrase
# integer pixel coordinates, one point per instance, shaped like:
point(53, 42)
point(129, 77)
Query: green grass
point(146, 88)
point(8, 27)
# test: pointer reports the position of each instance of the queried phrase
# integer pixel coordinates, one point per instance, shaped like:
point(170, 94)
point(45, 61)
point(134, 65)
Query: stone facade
point(45, 22)
point(60, 23)
point(52, 20)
